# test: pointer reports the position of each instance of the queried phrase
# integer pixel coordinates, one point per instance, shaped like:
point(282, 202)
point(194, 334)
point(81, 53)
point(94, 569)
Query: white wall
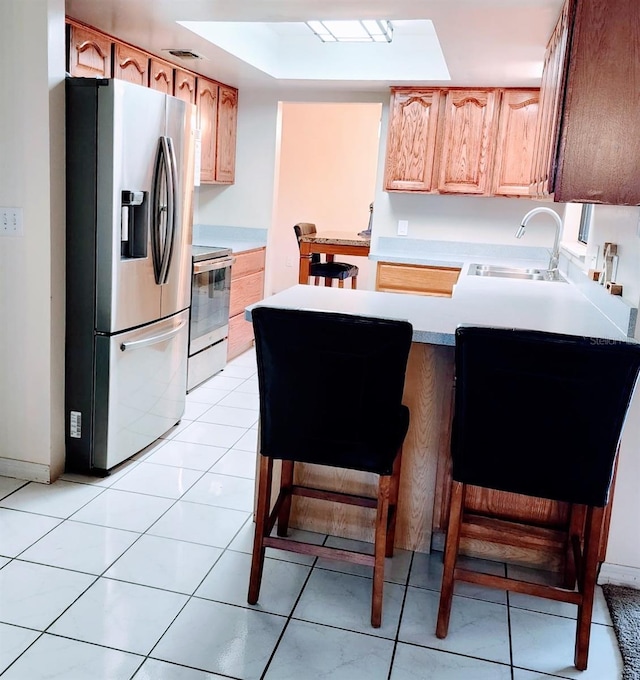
point(32, 266)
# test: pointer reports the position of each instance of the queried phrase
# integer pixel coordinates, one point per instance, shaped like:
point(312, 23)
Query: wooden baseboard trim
point(22, 469)
point(619, 575)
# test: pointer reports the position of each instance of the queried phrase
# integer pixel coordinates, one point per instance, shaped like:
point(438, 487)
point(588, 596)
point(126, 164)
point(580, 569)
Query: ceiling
point(491, 43)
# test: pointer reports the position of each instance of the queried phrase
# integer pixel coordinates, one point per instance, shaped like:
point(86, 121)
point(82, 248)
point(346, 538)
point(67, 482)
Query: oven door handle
point(212, 265)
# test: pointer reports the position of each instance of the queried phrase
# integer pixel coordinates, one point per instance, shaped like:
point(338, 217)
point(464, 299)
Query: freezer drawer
point(142, 375)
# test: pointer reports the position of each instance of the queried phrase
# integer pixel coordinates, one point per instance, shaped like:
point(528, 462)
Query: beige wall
point(326, 175)
point(32, 266)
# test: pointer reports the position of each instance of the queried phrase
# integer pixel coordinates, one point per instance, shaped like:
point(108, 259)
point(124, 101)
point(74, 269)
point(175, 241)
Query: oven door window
point(210, 302)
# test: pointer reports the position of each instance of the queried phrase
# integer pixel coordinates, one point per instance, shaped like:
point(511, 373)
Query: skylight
point(367, 30)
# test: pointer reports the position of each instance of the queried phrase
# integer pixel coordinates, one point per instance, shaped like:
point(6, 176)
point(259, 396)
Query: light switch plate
point(403, 227)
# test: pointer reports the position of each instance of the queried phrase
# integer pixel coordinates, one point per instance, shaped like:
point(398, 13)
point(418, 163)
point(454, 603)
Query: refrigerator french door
point(129, 218)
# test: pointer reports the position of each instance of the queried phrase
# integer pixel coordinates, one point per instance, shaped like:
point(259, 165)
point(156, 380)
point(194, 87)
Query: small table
point(330, 243)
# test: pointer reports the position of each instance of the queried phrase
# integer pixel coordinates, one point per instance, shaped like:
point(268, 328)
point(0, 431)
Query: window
point(585, 222)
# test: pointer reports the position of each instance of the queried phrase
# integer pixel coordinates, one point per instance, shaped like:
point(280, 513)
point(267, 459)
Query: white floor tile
point(194, 410)
point(60, 499)
point(545, 606)
point(520, 674)
point(344, 601)
point(396, 568)
point(209, 433)
point(248, 387)
point(33, 595)
point(546, 643)
point(165, 563)
point(56, 658)
point(128, 617)
point(190, 456)
point(223, 491)
point(114, 475)
point(426, 572)
point(22, 529)
point(221, 639)
point(9, 485)
point(308, 650)
point(176, 429)
point(198, 523)
point(227, 415)
point(477, 628)
point(3, 561)
point(158, 480)
point(161, 670)
point(248, 442)
point(237, 463)
point(418, 663)
point(123, 510)
point(239, 399)
point(242, 371)
point(82, 547)
point(228, 582)
point(13, 641)
point(222, 382)
point(205, 395)
point(247, 358)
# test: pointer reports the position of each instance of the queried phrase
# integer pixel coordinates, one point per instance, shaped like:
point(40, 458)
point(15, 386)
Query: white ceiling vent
point(184, 54)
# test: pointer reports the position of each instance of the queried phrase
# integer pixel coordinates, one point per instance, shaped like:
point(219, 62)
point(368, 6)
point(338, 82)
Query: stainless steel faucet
point(552, 269)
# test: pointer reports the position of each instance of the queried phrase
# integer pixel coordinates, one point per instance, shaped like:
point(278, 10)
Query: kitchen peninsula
point(543, 305)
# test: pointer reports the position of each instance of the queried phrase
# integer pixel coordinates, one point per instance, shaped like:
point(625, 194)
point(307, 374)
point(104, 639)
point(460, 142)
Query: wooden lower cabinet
point(393, 277)
point(247, 287)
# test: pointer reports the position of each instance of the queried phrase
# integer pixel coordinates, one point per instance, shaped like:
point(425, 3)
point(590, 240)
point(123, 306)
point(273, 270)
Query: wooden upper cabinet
point(467, 141)
point(515, 145)
point(227, 129)
point(599, 143)
point(552, 90)
point(185, 86)
point(89, 53)
point(130, 64)
point(160, 76)
point(207, 102)
point(413, 120)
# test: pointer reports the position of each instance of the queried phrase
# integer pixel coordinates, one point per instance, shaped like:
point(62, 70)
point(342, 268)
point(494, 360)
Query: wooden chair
point(538, 414)
point(353, 421)
point(328, 270)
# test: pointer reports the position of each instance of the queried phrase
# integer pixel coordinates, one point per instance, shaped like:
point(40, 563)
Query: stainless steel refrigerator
point(128, 275)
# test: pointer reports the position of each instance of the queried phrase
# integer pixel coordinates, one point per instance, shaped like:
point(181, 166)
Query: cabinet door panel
point(245, 291)
point(226, 141)
point(131, 65)
point(207, 98)
point(89, 54)
point(161, 76)
point(413, 119)
point(467, 141)
point(185, 86)
point(516, 137)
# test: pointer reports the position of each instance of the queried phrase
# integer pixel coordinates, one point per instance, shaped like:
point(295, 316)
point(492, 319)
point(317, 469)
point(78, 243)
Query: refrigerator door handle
point(172, 192)
point(157, 208)
point(153, 339)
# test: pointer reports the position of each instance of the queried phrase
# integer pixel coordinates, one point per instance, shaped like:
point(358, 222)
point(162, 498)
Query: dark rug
point(624, 605)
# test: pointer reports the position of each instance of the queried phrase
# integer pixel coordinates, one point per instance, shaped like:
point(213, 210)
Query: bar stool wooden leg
point(354, 282)
point(316, 281)
point(587, 584)
point(393, 504)
point(262, 517)
point(577, 515)
point(384, 488)
point(340, 283)
point(450, 556)
point(328, 281)
point(286, 482)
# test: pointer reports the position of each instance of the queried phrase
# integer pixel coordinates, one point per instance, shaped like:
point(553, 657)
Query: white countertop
point(554, 307)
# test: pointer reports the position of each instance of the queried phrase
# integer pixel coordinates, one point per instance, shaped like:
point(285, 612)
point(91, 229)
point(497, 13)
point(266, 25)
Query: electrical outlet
point(10, 221)
point(403, 227)
point(289, 262)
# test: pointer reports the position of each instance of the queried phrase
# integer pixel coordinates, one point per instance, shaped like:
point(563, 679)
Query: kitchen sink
point(530, 274)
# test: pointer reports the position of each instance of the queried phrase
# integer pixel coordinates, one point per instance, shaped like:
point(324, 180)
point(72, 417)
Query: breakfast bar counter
point(557, 307)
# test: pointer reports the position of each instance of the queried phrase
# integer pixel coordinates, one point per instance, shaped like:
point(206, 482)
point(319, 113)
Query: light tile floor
point(144, 574)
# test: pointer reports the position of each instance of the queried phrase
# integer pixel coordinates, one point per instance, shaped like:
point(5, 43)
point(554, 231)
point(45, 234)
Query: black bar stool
point(539, 414)
point(330, 394)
